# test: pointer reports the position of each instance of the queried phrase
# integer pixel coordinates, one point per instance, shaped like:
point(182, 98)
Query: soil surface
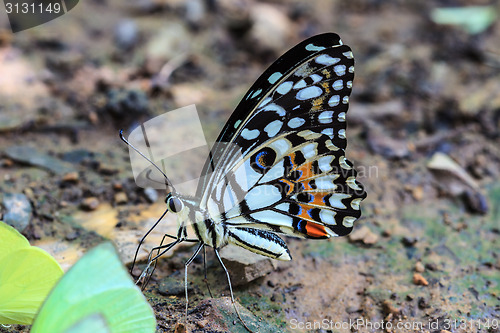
point(423, 133)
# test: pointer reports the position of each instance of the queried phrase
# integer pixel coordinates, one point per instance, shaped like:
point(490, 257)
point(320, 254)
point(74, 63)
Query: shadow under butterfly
point(278, 166)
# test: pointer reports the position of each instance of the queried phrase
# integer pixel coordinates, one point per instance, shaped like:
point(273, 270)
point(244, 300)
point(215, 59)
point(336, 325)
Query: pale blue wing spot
point(312, 47)
point(316, 78)
point(334, 100)
point(339, 70)
point(249, 134)
point(341, 117)
point(309, 93)
point(301, 84)
point(327, 216)
point(265, 102)
point(338, 85)
point(284, 88)
point(273, 128)
point(296, 122)
point(274, 107)
point(257, 93)
point(348, 54)
point(325, 117)
point(274, 77)
point(277, 171)
point(328, 131)
point(262, 196)
point(325, 59)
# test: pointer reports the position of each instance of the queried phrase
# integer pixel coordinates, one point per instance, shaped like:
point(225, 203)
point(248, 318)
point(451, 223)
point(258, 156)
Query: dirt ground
point(423, 132)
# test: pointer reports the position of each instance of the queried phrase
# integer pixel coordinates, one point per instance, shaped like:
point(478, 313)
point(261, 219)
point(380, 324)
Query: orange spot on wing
point(290, 184)
point(303, 214)
point(306, 170)
point(315, 230)
point(318, 199)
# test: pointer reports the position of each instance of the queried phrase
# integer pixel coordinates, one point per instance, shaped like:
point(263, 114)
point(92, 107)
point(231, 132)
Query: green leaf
point(27, 274)
point(473, 19)
point(94, 323)
point(97, 284)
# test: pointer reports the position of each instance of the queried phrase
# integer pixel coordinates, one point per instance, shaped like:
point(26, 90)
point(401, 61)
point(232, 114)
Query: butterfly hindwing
point(316, 197)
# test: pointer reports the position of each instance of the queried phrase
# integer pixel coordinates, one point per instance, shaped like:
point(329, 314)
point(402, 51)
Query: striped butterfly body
point(279, 166)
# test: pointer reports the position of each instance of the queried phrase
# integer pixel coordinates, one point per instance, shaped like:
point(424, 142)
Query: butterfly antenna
point(167, 181)
point(146, 235)
point(231, 290)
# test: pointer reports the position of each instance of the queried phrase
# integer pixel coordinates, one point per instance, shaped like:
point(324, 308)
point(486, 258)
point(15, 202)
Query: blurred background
point(423, 132)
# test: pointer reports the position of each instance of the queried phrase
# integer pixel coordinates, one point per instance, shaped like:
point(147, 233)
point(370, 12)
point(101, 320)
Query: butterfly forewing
point(284, 169)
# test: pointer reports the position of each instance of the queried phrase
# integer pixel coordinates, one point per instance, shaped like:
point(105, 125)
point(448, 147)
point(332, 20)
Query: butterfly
point(278, 166)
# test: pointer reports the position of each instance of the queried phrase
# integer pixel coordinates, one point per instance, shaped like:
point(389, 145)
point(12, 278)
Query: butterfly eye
point(174, 205)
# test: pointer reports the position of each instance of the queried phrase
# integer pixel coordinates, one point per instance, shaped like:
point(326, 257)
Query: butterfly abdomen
point(259, 241)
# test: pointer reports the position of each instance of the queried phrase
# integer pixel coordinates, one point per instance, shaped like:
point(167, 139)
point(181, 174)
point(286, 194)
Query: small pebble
point(365, 235)
point(417, 193)
point(126, 34)
point(352, 309)
point(180, 328)
point(70, 177)
point(107, 169)
point(431, 266)
point(71, 236)
point(6, 162)
point(202, 323)
point(418, 279)
point(90, 203)
point(17, 210)
point(422, 303)
point(409, 241)
point(419, 267)
point(151, 194)
point(121, 198)
point(389, 308)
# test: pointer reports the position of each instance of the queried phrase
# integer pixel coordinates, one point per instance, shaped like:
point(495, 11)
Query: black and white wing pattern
point(279, 164)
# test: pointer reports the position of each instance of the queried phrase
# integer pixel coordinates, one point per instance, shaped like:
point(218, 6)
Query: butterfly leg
point(188, 262)
point(205, 269)
point(231, 290)
point(148, 271)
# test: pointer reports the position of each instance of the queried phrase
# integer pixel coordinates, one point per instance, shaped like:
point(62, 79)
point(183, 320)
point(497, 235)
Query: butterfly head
point(174, 204)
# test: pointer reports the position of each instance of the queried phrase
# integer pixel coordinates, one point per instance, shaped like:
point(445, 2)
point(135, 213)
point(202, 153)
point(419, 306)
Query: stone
point(17, 210)
point(120, 198)
point(419, 267)
point(90, 203)
point(419, 280)
point(244, 265)
point(364, 235)
point(31, 156)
